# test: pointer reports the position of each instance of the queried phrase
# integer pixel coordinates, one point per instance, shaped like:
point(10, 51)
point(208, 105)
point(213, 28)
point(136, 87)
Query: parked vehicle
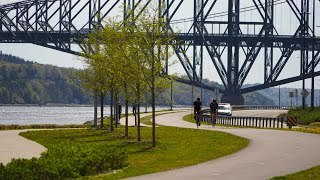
point(224, 109)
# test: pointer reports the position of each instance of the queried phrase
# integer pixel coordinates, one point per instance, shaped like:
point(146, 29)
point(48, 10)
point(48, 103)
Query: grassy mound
point(176, 147)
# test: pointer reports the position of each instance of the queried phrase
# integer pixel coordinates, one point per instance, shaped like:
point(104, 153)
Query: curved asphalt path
point(14, 146)
point(270, 153)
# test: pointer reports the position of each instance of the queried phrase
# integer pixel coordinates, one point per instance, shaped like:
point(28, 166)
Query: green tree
point(151, 40)
point(101, 56)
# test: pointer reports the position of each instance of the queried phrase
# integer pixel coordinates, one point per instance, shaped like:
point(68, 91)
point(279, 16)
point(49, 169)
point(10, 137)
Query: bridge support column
point(234, 98)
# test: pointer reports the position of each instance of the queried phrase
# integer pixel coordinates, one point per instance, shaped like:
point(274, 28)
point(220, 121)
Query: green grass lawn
point(147, 119)
point(310, 121)
point(310, 174)
point(176, 147)
point(191, 119)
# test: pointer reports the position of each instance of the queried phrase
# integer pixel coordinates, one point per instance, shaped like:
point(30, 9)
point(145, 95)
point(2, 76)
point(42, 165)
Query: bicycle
point(213, 119)
point(197, 118)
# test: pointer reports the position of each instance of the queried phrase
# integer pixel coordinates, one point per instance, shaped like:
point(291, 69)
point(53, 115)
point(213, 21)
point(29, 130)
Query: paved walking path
point(131, 118)
point(14, 146)
point(270, 153)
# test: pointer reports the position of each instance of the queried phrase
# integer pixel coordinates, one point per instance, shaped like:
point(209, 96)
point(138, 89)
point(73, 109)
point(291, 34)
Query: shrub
point(65, 161)
point(2, 171)
point(305, 116)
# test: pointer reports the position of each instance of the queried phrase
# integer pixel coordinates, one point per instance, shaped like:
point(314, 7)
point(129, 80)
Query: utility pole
point(312, 61)
point(279, 97)
point(201, 93)
point(217, 93)
point(304, 20)
point(296, 95)
point(192, 100)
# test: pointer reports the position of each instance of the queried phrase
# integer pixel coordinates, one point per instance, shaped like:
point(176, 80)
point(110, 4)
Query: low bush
point(176, 148)
point(65, 161)
point(305, 116)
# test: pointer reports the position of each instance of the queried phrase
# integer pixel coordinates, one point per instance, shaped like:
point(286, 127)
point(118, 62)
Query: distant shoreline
point(49, 105)
point(78, 105)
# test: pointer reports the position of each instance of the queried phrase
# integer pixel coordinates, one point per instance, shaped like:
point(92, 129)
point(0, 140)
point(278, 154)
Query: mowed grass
point(176, 147)
point(190, 118)
point(147, 120)
point(309, 174)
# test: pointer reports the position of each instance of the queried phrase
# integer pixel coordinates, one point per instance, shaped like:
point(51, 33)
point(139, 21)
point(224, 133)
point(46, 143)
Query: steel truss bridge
point(232, 43)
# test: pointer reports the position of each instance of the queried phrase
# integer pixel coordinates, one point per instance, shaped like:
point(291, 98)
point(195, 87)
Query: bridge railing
point(264, 122)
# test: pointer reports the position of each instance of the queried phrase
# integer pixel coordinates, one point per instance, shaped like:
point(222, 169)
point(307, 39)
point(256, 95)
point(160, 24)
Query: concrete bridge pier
point(232, 97)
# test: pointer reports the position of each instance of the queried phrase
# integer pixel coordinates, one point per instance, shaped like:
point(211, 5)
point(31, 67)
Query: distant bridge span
point(217, 30)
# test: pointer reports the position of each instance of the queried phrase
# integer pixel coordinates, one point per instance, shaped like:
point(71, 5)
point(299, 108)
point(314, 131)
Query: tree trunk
point(126, 95)
point(101, 107)
point(138, 108)
point(153, 104)
point(171, 98)
point(116, 108)
point(146, 103)
point(153, 119)
point(135, 115)
point(95, 118)
point(111, 112)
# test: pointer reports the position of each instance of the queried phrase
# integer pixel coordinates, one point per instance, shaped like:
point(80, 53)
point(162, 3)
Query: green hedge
point(65, 161)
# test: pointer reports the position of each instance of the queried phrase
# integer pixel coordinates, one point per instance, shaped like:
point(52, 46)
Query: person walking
point(119, 112)
point(135, 114)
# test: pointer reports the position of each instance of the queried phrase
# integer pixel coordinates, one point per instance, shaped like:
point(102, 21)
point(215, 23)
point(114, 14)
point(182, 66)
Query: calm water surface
point(24, 115)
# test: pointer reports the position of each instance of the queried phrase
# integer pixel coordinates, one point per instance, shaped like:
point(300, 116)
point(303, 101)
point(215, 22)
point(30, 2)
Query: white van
point(224, 109)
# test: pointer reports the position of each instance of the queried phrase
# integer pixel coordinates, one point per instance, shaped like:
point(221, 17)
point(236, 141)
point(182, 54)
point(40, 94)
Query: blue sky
point(286, 23)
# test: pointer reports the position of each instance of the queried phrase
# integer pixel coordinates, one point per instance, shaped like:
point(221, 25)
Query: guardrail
point(265, 122)
point(248, 107)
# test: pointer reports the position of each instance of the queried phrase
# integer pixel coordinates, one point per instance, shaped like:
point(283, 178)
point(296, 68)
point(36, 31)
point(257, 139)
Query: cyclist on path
point(213, 111)
point(197, 108)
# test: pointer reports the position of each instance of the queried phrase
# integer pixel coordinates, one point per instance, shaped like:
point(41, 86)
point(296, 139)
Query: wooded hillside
point(26, 82)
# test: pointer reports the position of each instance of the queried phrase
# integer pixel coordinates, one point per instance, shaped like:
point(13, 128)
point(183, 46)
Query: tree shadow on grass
point(144, 146)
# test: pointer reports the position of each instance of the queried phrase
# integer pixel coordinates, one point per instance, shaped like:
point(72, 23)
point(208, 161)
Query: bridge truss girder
point(51, 23)
point(268, 38)
point(58, 24)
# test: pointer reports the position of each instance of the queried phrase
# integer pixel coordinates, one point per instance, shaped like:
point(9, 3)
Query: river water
point(26, 115)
